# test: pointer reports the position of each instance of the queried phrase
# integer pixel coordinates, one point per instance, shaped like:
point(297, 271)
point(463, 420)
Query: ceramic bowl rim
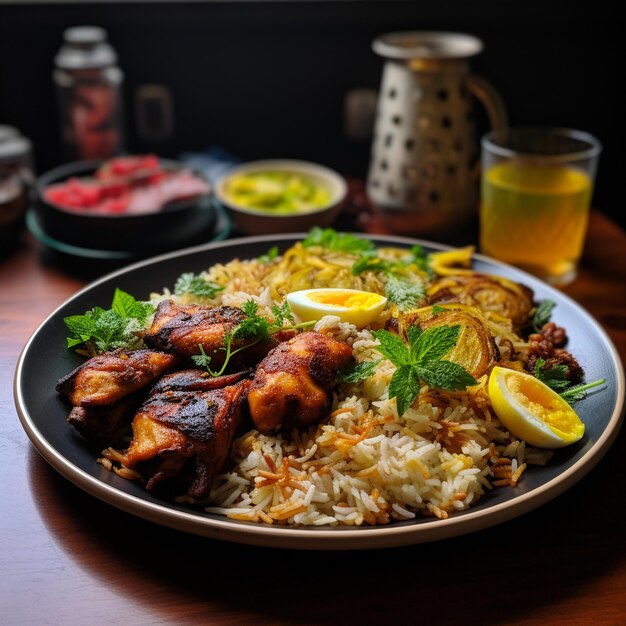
point(338, 185)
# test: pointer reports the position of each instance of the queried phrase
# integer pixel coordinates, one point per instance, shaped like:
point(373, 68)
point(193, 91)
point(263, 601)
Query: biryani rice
point(364, 464)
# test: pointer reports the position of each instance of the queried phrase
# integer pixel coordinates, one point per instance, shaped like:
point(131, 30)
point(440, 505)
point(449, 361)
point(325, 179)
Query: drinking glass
point(535, 197)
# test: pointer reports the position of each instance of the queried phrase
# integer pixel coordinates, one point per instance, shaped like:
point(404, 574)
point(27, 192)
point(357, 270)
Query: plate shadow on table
point(540, 559)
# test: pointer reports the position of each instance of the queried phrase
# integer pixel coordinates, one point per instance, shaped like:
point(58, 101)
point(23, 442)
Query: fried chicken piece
point(108, 425)
point(292, 384)
point(107, 378)
point(182, 434)
point(195, 380)
point(181, 329)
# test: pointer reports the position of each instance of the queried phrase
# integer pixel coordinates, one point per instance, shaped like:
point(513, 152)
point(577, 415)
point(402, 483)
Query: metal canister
point(423, 174)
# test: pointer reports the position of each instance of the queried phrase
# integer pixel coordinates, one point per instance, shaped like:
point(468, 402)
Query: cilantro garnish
point(437, 309)
point(332, 240)
point(253, 329)
point(101, 330)
point(202, 359)
point(543, 314)
point(406, 293)
point(421, 360)
point(195, 285)
point(254, 326)
point(555, 377)
point(578, 393)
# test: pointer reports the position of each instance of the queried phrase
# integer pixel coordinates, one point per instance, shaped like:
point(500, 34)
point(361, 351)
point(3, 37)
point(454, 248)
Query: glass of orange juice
point(535, 196)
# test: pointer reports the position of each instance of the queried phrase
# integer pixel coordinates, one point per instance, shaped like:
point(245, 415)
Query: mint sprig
point(100, 330)
point(421, 360)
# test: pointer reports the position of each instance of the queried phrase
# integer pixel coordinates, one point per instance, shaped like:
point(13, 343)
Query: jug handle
point(486, 93)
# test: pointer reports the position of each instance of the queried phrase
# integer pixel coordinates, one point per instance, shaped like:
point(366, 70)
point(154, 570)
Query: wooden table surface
point(67, 558)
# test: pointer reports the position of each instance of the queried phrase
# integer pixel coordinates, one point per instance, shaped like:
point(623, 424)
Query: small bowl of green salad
point(281, 196)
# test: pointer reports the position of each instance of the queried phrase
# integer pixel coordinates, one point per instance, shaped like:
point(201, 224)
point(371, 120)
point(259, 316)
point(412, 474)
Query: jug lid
point(427, 45)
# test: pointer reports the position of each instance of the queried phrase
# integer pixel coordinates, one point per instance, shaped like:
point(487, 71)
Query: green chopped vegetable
point(554, 377)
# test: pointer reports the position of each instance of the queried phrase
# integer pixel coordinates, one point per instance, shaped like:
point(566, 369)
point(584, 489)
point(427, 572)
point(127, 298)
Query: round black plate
point(43, 413)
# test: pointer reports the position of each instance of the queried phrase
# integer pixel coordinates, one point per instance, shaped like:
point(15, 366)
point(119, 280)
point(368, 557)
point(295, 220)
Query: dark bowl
point(176, 225)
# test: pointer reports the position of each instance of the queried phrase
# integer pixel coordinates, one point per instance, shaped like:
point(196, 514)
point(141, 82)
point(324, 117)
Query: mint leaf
point(422, 360)
point(554, 377)
point(82, 327)
point(358, 372)
point(445, 375)
point(543, 314)
point(103, 330)
point(195, 285)
point(404, 387)
point(392, 347)
point(434, 343)
point(330, 239)
point(270, 255)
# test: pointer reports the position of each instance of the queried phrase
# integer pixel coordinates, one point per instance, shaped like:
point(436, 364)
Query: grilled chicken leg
point(184, 434)
point(292, 384)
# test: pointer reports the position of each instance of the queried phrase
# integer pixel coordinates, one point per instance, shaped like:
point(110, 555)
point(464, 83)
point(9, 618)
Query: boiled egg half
point(349, 305)
point(532, 411)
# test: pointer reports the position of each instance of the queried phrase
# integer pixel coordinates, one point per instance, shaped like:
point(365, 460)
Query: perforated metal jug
point(423, 173)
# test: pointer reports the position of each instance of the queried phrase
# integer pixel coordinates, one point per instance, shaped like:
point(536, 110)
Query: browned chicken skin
point(108, 425)
point(107, 378)
point(185, 434)
point(292, 384)
point(181, 329)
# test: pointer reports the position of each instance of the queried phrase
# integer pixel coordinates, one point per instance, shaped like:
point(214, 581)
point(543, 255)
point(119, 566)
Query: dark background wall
point(267, 79)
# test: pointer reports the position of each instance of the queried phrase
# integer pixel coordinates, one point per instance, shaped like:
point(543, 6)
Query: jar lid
point(431, 45)
point(85, 47)
point(8, 132)
point(85, 35)
point(15, 150)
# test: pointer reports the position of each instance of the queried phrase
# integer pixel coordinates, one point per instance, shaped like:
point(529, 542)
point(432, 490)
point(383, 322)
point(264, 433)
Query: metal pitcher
point(423, 174)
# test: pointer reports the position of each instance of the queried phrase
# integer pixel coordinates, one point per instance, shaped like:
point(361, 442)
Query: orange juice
point(535, 217)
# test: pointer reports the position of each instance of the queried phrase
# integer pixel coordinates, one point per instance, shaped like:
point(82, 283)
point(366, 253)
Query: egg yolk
point(356, 301)
point(538, 402)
